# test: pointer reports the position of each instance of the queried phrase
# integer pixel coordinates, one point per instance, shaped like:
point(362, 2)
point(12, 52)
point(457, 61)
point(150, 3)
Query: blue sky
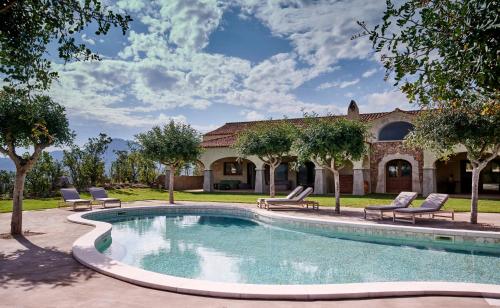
point(207, 62)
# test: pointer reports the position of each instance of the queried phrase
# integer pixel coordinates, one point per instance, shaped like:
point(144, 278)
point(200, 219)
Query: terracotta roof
point(235, 127)
point(222, 142)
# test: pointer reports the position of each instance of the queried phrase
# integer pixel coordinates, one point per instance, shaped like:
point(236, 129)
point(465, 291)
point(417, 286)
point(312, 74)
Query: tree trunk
point(476, 170)
point(272, 190)
point(171, 185)
point(16, 225)
point(336, 180)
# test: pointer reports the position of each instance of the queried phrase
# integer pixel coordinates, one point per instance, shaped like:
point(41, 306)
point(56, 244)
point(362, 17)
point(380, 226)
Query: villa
point(388, 167)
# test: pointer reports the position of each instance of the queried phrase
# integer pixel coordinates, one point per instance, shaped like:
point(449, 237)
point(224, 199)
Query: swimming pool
point(240, 247)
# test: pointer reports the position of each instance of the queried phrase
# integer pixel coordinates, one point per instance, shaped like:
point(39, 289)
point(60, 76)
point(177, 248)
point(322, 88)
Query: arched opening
point(454, 176)
point(398, 174)
point(306, 174)
point(395, 131)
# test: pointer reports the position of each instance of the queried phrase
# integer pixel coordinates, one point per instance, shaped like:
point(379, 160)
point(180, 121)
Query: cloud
point(338, 84)
point(162, 65)
point(252, 115)
point(369, 73)
point(87, 40)
point(384, 101)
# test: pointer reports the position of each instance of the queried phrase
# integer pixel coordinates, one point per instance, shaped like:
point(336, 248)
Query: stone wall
point(378, 150)
point(188, 182)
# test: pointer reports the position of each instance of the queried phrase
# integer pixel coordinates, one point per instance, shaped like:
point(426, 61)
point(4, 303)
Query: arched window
point(395, 131)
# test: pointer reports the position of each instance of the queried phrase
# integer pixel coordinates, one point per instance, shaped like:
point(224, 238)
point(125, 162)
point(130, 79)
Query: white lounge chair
point(403, 200)
point(101, 196)
point(298, 200)
point(431, 206)
point(293, 193)
point(71, 197)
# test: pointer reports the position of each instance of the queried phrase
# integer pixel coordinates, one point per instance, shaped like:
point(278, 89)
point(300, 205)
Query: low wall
point(188, 182)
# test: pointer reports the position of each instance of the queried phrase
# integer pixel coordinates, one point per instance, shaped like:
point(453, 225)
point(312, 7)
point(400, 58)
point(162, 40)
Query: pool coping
point(84, 251)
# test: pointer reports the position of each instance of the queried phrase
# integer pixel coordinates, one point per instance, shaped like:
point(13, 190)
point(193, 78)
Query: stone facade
point(380, 150)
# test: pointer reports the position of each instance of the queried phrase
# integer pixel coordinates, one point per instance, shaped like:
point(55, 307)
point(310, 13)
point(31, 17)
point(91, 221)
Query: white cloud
point(87, 40)
point(369, 73)
point(384, 101)
point(165, 67)
point(338, 84)
point(252, 115)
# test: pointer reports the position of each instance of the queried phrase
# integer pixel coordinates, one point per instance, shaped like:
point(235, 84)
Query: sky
point(207, 62)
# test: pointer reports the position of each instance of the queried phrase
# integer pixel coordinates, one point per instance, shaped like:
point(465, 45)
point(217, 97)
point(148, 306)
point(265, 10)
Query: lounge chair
point(298, 200)
point(101, 196)
point(71, 197)
point(403, 200)
point(431, 206)
point(295, 192)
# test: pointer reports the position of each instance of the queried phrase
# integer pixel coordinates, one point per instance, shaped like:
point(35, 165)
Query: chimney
point(353, 111)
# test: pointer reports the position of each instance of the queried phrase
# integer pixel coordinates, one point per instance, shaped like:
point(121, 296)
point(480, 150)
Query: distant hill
point(109, 156)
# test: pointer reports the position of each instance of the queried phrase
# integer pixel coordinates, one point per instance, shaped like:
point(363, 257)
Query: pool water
point(228, 249)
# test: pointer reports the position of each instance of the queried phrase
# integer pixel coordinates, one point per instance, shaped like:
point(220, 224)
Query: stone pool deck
point(39, 271)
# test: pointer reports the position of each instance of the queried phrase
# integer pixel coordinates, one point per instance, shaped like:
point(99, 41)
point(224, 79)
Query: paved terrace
point(38, 270)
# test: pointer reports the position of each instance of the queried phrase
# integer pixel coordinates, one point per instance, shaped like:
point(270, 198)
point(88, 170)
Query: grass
point(137, 194)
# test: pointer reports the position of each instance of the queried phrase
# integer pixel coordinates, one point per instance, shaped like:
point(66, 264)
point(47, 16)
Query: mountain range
point(109, 156)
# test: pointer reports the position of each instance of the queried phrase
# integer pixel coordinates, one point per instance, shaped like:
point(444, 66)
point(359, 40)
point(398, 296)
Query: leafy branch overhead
point(440, 51)
point(28, 27)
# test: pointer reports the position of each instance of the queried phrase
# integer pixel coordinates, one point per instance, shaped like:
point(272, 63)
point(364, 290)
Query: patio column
point(320, 181)
point(429, 181)
point(358, 182)
point(260, 181)
point(208, 181)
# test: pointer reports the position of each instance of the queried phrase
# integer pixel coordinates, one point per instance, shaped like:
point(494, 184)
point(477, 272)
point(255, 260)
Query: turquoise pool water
point(229, 249)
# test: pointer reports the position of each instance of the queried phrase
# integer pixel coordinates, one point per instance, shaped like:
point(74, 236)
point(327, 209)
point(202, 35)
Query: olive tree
point(86, 164)
point(270, 141)
point(172, 145)
point(28, 28)
point(444, 54)
point(330, 142)
point(30, 124)
point(473, 125)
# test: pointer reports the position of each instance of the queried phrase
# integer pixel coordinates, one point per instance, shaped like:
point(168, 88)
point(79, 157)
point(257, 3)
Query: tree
point(6, 183)
point(29, 123)
point(29, 27)
point(440, 51)
point(172, 145)
point(86, 166)
point(41, 181)
point(133, 167)
point(444, 55)
point(330, 143)
point(472, 125)
point(270, 142)
point(93, 164)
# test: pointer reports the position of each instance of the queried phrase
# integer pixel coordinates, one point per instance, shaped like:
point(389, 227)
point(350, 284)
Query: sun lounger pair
point(296, 197)
point(401, 211)
point(72, 198)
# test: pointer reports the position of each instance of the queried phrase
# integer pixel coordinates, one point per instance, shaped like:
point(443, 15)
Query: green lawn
point(458, 204)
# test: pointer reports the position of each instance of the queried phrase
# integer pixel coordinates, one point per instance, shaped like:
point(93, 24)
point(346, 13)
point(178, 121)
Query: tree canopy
point(29, 27)
point(35, 123)
point(85, 164)
point(172, 145)
point(269, 141)
point(474, 125)
point(29, 123)
point(440, 51)
point(330, 144)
